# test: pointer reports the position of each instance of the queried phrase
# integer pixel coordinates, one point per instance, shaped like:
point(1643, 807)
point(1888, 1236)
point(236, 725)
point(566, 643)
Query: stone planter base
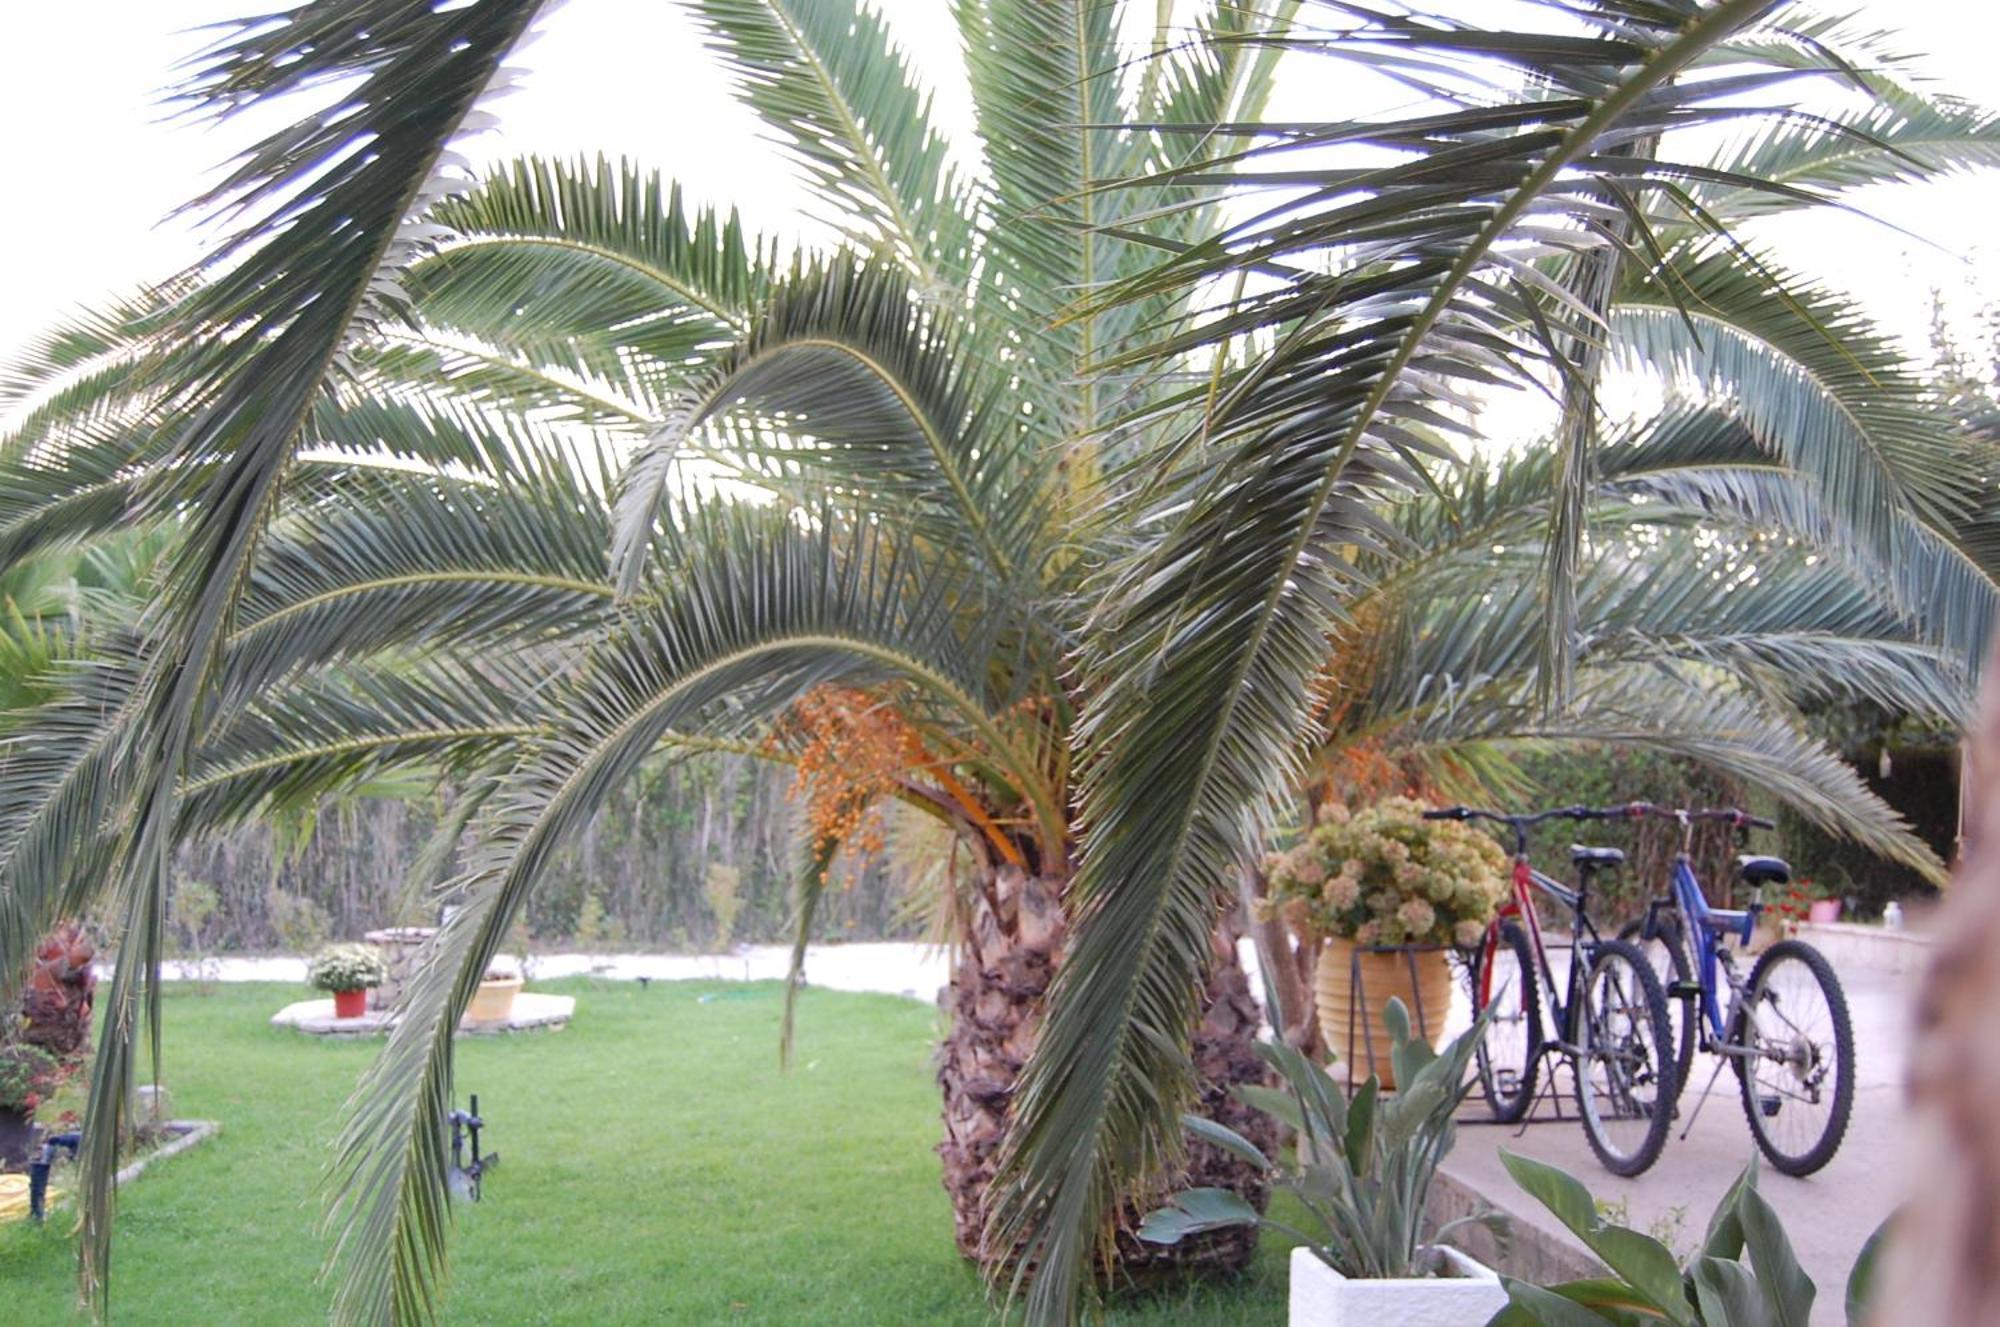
point(1322, 1297)
point(531, 1011)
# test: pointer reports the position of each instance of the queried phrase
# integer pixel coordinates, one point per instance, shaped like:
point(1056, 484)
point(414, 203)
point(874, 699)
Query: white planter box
point(1322, 1297)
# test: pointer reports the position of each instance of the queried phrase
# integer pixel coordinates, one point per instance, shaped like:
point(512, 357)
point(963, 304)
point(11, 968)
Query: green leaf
point(1788, 1291)
point(1196, 1210)
point(1278, 1105)
point(1567, 1200)
point(1359, 1142)
point(1530, 1305)
point(1226, 1138)
point(1862, 1287)
point(1725, 1228)
point(1728, 1293)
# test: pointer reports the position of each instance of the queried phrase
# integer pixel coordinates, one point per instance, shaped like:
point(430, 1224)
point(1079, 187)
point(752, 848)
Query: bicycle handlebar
point(1727, 814)
point(1628, 811)
point(1535, 818)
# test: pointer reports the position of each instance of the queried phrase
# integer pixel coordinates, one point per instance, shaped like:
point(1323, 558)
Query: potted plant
point(493, 1002)
point(1362, 1172)
point(349, 971)
point(1383, 876)
point(1824, 905)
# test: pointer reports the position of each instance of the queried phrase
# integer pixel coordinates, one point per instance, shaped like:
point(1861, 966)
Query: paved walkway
point(1827, 1216)
point(915, 971)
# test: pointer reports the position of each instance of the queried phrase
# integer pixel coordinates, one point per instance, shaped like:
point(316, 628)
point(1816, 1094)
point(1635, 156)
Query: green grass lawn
point(657, 1168)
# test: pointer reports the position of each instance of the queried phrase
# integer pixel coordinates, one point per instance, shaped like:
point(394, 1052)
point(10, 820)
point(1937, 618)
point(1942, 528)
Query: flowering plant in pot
point(1383, 875)
point(349, 972)
point(1822, 903)
point(1362, 1172)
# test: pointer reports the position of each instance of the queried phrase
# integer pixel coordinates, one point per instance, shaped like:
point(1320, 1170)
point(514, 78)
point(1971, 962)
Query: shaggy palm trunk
point(998, 994)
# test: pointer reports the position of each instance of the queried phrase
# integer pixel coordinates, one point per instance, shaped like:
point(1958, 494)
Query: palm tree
point(965, 488)
point(929, 432)
point(1484, 240)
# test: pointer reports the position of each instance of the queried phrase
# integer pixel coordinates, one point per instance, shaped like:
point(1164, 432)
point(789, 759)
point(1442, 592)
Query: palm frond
point(755, 611)
point(1812, 378)
point(1046, 83)
point(844, 102)
point(325, 227)
point(1897, 136)
point(578, 263)
point(416, 562)
point(851, 381)
point(1695, 717)
point(1705, 465)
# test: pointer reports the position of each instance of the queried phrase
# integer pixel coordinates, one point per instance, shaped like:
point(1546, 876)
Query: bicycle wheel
point(1667, 953)
point(1625, 1085)
point(1798, 1077)
point(1510, 1053)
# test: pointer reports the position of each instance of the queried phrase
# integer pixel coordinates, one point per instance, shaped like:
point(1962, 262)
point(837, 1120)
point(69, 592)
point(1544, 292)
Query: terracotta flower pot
point(493, 1002)
point(1383, 977)
point(350, 1004)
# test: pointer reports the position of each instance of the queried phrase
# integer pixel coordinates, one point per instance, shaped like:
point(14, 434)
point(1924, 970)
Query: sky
point(94, 165)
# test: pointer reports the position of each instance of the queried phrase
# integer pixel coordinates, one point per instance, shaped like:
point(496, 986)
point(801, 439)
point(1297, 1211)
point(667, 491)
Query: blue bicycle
point(1784, 1029)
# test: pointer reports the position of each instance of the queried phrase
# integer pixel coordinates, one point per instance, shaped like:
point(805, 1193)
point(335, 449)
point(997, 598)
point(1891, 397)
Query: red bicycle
point(1607, 1017)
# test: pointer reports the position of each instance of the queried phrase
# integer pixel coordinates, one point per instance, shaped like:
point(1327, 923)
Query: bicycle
point(1609, 1017)
point(1786, 1029)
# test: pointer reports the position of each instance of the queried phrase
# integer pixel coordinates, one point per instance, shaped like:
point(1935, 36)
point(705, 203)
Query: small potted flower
point(349, 972)
point(1825, 905)
point(1375, 878)
point(493, 1002)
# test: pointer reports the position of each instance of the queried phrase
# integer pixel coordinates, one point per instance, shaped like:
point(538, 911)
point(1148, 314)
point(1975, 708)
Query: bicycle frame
point(1708, 927)
point(1521, 903)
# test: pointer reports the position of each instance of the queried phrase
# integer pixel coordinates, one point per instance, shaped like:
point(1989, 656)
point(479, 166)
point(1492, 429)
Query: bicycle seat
point(1764, 870)
point(1584, 855)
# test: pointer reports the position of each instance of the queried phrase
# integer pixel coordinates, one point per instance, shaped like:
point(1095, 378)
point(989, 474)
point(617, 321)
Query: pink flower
point(1416, 916)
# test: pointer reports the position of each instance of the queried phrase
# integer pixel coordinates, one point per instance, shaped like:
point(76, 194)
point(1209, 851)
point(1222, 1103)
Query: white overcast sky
point(93, 169)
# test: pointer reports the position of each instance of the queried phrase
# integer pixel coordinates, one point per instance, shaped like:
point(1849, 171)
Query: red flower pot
point(350, 1004)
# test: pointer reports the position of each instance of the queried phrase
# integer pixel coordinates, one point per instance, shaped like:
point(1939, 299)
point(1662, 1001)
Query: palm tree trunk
point(997, 998)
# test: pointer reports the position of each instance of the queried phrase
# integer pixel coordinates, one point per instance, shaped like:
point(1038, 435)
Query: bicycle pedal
point(1768, 1107)
point(1683, 990)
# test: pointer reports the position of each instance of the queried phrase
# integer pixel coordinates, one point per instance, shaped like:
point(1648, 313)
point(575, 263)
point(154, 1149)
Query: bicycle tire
point(1652, 1008)
point(1668, 956)
point(1758, 1107)
point(1508, 1107)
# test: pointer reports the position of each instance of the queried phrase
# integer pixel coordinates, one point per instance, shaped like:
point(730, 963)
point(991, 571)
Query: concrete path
point(1827, 1216)
point(916, 971)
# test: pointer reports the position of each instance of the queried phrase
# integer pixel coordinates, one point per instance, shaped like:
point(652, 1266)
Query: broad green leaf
point(1788, 1291)
point(1227, 1139)
point(1728, 1294)
point(1862, 1281)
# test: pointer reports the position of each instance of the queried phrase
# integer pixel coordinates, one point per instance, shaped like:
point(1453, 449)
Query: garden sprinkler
point(464, 1179)
point(38, 1170)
